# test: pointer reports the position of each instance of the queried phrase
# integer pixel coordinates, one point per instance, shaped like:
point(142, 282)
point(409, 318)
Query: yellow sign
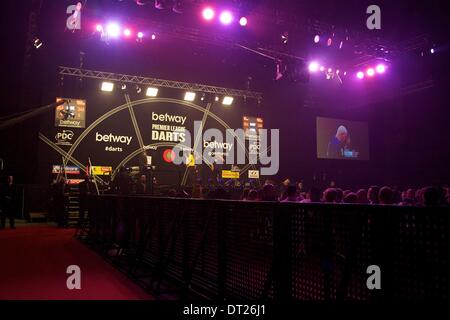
point(228, 174)
point(101, 171)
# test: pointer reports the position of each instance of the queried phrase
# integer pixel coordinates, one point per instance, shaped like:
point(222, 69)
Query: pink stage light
point(243, 21)
point(313, 67)
point(99, 28)
point(316, 39)
point(208, 14)
point(370, 72)
point(330, 70)
point(381, 68)
point(153, 36)
point(322, 68)
point(360, 75)
point(140, 35)
point(113, 30)
point(226, 17)
point(127, 32)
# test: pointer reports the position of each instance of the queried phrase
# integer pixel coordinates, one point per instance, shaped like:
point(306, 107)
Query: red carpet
point(33, 263)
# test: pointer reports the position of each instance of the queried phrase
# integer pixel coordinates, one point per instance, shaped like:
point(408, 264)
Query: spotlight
point(243, 21)
point(370, 72)
point(99, 28)
point(337, 71)
point(152, 92)
point(127, 32)
point(208, 14)
point(380, 68)
point(360, 75)
point(330, 70)
point(227, 101)
point(203, 97)
point(153, 36)
point(432, 50)
point(341, 44)
point(189, 96)
point(138, 89)
point(316, 39)
point(216, 99)
point(124, 86)
point(322, 68)
point(107, 86)
point(313, 67)
point(285, 37)
point(140, 35)
point(226, 17)
point(345, 73)
point(113, 30)
point(329, 42)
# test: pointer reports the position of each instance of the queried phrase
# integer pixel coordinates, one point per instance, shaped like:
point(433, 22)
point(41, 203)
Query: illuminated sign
point(228, 174)
point(101, 171)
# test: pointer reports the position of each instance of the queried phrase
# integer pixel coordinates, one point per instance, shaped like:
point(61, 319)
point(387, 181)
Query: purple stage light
point(313, 67)
point(322, 68)
point(316, 39)
point(208, 14)
point(140, 35)
point(243, 21)
point(360, 75)
point(226, 17)
point(99, 28)
point(113, 30)
point(153, 36)
point(370, 72)
point(432, 50)
point(381, 68)
point(330, 70)
point(127, 32)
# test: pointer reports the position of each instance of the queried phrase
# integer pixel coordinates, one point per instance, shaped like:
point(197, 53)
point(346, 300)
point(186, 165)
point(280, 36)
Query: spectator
point(385, 195)
point(351, 198)
point(430, 196)
point(372, 194)
point(339, 195)
point(291, 194)
point(269, 193)
point(330, 195)
point(8, 201)
point(252, 195)
point(362, 196)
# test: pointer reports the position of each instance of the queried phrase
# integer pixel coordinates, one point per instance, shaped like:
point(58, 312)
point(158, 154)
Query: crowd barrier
point(222, 250)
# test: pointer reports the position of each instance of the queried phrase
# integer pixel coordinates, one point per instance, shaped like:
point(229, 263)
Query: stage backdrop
point(112, 129)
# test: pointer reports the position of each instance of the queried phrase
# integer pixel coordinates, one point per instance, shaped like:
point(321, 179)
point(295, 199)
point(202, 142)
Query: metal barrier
point(220, 249)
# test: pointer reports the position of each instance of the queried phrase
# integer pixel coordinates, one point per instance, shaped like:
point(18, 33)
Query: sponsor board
point(228, 174)
point(101, 170)
point(253, 174)
point(64, 137)
point(165, 130)
point(74, 181)
point(111, 138)
point(71, 114)
point(67, 169)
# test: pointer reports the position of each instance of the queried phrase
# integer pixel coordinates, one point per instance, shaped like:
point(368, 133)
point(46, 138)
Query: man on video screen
point(338, 143)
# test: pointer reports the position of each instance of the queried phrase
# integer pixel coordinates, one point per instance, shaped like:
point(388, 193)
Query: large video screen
point(342, 139)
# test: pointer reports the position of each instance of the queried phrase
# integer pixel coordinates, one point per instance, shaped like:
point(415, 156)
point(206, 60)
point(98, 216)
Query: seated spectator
point(351, 198)
point(172, 193)
point(430, 196)
point(362, 196)
point(339, 195)
point(291, 194)
point(245, 193)
point(269, 193)
point(313, 195)
point(372, 194)
point(385, 196)
point(330, 195)
point(252, 195)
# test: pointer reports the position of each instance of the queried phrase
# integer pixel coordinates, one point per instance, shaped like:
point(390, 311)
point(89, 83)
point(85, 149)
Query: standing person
point(8, 200)
point(86, 188)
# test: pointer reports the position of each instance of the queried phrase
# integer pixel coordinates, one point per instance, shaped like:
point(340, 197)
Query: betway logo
point(112, 138)
point(217, 145)
point(168, 117)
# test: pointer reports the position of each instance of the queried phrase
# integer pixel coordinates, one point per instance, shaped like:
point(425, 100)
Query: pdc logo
point(64, 138)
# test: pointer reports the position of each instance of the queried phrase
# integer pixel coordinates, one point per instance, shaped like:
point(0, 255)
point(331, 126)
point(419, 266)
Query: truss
point(123, 78)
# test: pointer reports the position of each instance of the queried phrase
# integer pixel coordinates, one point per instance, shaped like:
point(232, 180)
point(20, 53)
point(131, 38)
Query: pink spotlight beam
point(226, 17)
point(208, 14)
